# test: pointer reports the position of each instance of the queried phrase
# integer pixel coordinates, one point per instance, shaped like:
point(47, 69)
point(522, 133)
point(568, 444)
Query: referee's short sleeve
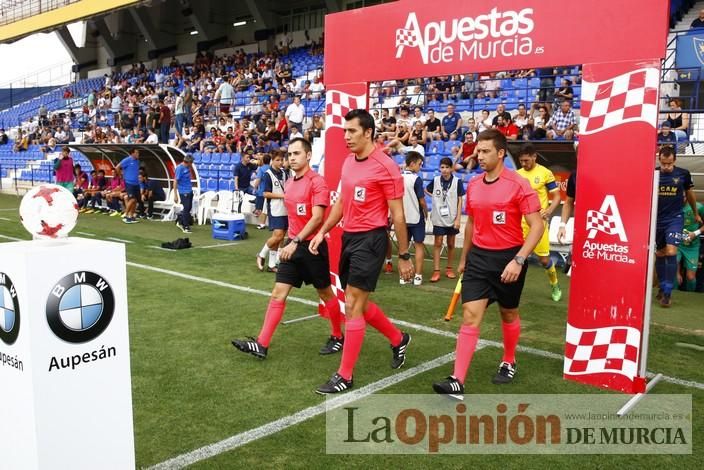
point(320, 195)
point(528, 199)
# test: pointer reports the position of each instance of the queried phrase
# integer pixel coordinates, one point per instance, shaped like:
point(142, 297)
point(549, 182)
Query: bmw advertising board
point(64, 355)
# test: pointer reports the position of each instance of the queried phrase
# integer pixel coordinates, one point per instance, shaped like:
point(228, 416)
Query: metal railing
point(16, 10)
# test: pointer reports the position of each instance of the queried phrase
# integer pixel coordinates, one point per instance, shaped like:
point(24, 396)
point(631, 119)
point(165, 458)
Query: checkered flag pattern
point(602, 222)
point(339, 104)
point(629, 97)
point(604, 350)
point(338, 291)
point(406, 37)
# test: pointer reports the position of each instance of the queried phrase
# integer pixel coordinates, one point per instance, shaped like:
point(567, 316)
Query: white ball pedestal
point(65, 385)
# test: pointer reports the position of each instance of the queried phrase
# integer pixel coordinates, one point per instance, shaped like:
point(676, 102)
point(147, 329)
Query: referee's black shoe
point(251, 346)
point(450, 387)
point(399, 352)
point(336, 384)
point(505, 374)
point(333, 345)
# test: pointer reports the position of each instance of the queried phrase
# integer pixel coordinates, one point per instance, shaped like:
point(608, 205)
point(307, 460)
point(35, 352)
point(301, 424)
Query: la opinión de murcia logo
point(606, 220)
point(484, 36)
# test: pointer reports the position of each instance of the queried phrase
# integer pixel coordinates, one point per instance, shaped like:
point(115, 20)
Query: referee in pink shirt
point(493, 257)
point(371, 185)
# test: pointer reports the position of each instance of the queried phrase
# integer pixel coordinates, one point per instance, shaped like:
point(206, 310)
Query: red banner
point(412, 38)
point(611, 242)
point(339, 100)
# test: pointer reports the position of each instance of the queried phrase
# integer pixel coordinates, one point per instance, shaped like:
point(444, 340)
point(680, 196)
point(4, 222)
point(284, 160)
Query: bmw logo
point(80, 307)
point(9, 311)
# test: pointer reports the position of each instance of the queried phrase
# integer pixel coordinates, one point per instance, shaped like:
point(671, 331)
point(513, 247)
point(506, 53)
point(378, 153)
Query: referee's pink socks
point(354, 337)
point(274, 313)
point(512, 331)
point(466, 345)
point(376, 319)
point(335, 316)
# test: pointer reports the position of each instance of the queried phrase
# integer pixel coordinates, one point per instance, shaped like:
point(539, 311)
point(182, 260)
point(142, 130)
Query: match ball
point(49, 211)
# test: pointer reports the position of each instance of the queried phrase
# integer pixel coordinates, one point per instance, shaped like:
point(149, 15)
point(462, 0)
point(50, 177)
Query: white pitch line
point(205, 280)
point(415, 326)
point(219, 245)
point(5, 218)
point(12, 238)
point(86, 234)
point(238, 440)
point(118, 240)
point(161, 248)
point(8, 210)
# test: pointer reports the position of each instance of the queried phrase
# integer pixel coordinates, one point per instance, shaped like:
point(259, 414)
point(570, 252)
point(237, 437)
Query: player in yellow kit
point(543, 182)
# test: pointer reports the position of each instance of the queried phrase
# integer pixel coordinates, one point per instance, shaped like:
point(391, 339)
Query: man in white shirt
point(224, 95)
point(295, 113)
point(152, 138)
point(316, 89)
point(294, 133)
point(116, 104)
point(397, 145)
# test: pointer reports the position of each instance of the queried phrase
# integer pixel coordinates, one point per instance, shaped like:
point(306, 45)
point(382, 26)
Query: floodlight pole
point(643, 363)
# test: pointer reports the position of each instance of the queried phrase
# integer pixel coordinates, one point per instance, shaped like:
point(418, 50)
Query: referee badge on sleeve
point(499, 218)
point(301, 209)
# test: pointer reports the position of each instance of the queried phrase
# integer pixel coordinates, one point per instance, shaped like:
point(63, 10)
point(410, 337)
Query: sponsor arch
point(620, 45)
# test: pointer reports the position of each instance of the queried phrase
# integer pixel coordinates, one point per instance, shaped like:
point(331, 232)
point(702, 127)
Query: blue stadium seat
point(214, 157)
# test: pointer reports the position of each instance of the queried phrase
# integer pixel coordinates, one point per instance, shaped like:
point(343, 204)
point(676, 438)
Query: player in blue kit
point(675, 184)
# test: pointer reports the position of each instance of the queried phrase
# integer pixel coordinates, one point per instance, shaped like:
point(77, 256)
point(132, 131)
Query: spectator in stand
point(418, 116)
point(452, 122)
point(295, 133)
point(63, 168)
point(507, 128)
point(295, 113)
point(187, 95)
point(420, 133)
point(164, 123)
point(500, 111)
point(433, 126)
point(679, 122)
point(152, 138)
point(562, 123)
point(521, 121)
point(403, 117)
point(388, 123)
point(413, 146)
point(225, 95)
point(484, 121)
point(466, 157)
point(698, 21)
point(547, 88)
point(317, 89)
point(565, 92)
point(3, 137)
point(538, 124)
point(666, 136)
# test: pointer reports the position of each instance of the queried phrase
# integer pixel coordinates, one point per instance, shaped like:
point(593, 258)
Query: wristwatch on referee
point(296, 240)
point(404, 256)
point(520, 260)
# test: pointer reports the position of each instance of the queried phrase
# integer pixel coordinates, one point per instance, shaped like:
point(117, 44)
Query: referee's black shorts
point(362, 257)
point(482, 277)
point(306, 267)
